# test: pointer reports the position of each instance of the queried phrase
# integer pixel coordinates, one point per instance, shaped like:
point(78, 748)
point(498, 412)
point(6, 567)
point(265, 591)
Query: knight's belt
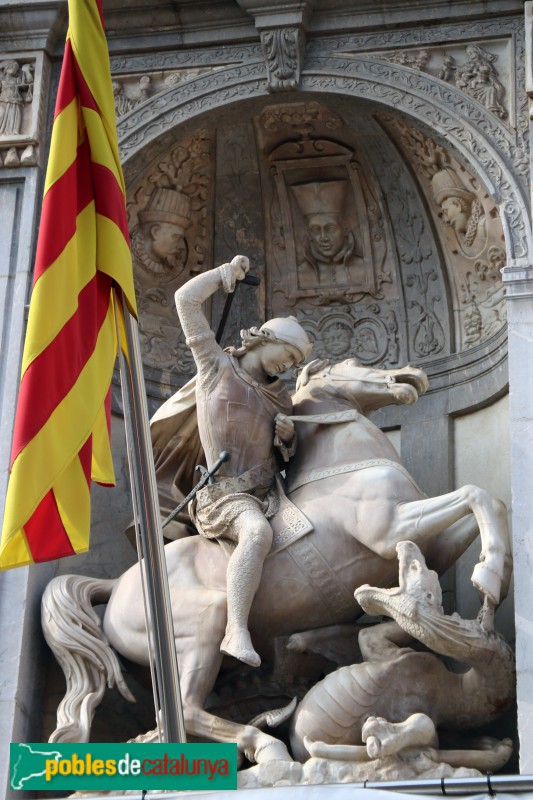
point(260, 476)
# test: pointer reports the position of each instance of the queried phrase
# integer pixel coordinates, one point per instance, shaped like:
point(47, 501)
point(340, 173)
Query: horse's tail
point(74, 633)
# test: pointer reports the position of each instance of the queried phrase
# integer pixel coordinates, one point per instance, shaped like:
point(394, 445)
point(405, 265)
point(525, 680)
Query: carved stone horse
point(348, 480)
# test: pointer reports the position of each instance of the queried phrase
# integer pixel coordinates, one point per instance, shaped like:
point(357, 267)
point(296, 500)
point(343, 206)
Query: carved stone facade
point(374, 234)
point(377, 176)
point(24, 83)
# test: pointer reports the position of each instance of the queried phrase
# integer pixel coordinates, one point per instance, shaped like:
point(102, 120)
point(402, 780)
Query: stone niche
point(361, 224)
point(367, 229)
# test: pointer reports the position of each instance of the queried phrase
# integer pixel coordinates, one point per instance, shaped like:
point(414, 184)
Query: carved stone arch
point(478, 139)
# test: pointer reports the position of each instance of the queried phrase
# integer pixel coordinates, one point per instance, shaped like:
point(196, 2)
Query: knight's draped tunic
point(235, 413)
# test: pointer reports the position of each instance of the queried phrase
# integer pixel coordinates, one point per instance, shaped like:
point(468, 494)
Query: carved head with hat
point(164, 222)
point(446, 183)
point(453, 197)
point(167, 205)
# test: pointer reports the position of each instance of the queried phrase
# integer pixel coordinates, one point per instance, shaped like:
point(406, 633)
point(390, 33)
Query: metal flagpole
point(147, 514)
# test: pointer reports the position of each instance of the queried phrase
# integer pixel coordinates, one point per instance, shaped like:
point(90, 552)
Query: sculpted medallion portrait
point(461, 210)
point(159, 242)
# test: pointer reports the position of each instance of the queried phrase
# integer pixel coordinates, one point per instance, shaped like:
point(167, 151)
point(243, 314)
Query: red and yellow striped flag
point(61, 436)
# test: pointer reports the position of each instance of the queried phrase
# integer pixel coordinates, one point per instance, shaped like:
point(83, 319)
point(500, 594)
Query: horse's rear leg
point(420, 520)
point(199, 658)
point(444, 550)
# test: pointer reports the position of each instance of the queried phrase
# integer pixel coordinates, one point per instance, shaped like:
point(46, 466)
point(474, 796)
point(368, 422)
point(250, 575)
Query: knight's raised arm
point(189, 299)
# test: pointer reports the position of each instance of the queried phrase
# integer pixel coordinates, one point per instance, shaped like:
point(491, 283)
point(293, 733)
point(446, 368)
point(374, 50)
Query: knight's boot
point(238, 643)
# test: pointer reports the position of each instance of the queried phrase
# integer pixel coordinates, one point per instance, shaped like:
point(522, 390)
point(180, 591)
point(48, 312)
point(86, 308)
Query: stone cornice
point(32, 25)
point(41, 24)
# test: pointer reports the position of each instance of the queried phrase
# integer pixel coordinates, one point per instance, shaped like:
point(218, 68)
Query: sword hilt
point(206, 477)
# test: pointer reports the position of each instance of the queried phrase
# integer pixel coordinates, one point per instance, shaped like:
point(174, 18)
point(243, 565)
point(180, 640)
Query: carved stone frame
point(281, 170)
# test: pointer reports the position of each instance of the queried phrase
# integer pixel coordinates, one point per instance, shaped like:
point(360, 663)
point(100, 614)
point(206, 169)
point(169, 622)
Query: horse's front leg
point(419, 521)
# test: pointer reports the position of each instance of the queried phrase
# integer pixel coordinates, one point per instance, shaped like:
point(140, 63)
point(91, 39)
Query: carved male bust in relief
point(159, 241)
point(461, 210)
point(331, 256)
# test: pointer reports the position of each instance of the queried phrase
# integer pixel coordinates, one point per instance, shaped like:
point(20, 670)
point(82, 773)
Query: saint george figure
point(242, 409)
point(331, 257)
point(159, 242)
point(461, 210)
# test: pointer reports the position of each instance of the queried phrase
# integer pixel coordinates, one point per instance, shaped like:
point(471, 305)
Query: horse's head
point(367, 387)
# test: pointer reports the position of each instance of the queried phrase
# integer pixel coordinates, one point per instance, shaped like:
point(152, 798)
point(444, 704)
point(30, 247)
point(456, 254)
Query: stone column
point(19, 609)
point(518, 279)
point(519, 290)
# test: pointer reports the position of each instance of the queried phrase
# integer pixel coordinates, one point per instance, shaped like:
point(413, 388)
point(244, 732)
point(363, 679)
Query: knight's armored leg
point(243, 576)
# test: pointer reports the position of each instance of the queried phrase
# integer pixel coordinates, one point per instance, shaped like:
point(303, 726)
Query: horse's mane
point(311, 369)
point(318, 365)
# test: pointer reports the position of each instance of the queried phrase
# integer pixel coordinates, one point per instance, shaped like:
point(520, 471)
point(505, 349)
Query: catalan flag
point(61, 435)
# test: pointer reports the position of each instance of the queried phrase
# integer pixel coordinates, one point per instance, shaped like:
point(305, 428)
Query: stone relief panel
point(22, 80)
point(424, 307)
point(482, 72)
point(16, 91)
point(369, 332)
point(239, 224)
point(169, 213)
point(327, 239)
point(131, 90)
point(423, 50)
point(470, 233)
point(349, 247)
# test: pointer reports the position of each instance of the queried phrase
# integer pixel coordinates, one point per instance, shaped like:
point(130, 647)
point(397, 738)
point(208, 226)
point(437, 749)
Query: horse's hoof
point(239, 645)
point(487, 581)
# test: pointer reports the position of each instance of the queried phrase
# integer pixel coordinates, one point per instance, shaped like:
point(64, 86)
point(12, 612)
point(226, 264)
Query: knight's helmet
point(289, 331)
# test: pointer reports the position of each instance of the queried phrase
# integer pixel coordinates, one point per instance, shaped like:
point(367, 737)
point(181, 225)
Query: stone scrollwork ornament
point(283, 48)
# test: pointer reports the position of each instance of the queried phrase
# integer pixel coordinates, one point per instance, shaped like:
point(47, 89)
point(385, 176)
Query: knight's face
point(278, 357)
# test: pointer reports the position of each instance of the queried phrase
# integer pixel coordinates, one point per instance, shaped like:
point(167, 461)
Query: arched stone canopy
point(363, 90)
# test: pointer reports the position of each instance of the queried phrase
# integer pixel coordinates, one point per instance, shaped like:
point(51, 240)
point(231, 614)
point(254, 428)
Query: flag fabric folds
point(62, 427)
